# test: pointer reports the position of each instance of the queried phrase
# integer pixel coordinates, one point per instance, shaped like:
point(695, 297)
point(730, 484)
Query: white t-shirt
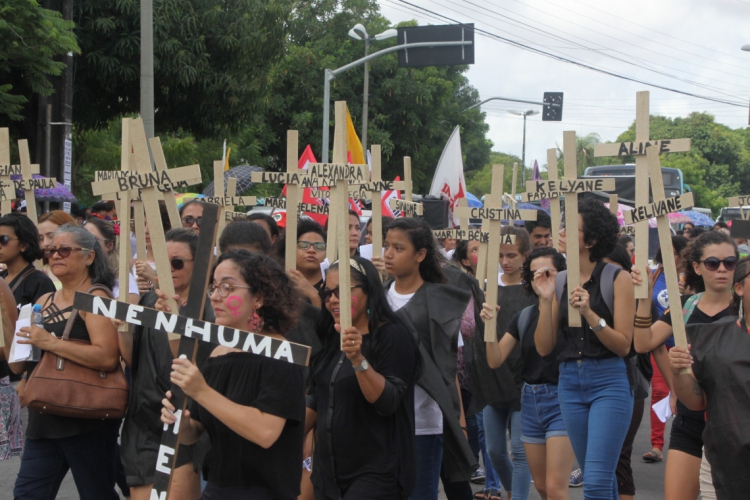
point(132, 286)
point(428, 419)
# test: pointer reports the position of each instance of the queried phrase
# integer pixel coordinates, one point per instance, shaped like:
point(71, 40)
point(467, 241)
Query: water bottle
point(36, 320)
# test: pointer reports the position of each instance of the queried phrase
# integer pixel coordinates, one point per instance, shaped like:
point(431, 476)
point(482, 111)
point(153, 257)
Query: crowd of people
point(410, 396)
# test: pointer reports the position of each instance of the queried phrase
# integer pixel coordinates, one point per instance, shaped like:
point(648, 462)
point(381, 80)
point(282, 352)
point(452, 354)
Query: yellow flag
point(353, 144)
point(226, 162)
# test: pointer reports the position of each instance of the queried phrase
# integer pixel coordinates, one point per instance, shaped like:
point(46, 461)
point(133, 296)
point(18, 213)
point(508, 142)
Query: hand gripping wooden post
point(571, 186)
point(188, 348)
point(661, 207)
point(638, 149)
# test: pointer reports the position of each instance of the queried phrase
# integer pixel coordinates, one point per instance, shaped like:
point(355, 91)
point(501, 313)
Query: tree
point(31, 38)
point(584, 154)
point(211, 61)
point(479, 182)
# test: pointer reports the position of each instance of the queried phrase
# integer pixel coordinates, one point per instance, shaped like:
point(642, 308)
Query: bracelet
point(642, 324)
point(645, 318)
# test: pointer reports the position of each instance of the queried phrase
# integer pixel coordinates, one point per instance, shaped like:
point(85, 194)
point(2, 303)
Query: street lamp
point(528, 112)
point(746, 47)
point(358, 32)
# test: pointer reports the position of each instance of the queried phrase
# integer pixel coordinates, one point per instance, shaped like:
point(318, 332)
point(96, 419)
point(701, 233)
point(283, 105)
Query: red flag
point(387, 195)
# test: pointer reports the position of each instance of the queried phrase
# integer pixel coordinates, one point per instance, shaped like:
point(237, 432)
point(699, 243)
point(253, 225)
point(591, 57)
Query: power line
point(568, 60)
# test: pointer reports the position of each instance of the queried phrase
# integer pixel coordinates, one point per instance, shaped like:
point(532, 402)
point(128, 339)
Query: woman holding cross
point(252, 406)
point(594, 391)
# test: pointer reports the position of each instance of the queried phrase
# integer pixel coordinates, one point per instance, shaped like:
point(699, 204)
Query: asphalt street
point(649, 478)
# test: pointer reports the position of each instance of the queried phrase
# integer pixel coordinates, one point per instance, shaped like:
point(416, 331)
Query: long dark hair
point(460, 254)
point(379, 314)
point(420, 235)
point(600, 228)
point(27, 234)
point(694, 251)
point(558, 261)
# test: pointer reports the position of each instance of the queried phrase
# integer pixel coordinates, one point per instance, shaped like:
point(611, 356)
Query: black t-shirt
point(697, 317)
point(273, 387)
point(580, 342)
point(535, 368)
point(28, 291)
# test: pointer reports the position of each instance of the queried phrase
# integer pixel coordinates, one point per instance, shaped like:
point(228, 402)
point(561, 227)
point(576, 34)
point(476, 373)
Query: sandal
point(652, 457)
point(492, 494)
point(479, 495)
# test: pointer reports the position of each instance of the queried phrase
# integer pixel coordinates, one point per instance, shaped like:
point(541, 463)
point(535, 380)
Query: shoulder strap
point(608, 286)
point(74, 312)
point(21, 278)
point(524, 317)
point(560, 279)
point(690, 305)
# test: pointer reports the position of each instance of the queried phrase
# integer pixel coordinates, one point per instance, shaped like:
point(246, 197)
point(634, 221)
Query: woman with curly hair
point(545, 440)
point(253, 407)
point(594, 391)
point(708, 263)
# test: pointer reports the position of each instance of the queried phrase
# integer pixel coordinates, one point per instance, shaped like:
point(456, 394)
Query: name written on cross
point(663, 207)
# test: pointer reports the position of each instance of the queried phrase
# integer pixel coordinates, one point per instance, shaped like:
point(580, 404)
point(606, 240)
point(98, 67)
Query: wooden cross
point(552, 196)
point(407, 206)
point(660, 208)
point(28, 183)
point(228, 202)
point(638, 149)
point(742, 202)
point(7, 186)
point(123, 212)
point(375, 188)
point(571, 186)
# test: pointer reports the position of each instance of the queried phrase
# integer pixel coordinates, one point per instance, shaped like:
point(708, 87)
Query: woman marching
point(434, 311)
point(594, 391)
point(361, 398)
point(548, 449)
point(252, 407)
point(716, 382)
point(709, 260)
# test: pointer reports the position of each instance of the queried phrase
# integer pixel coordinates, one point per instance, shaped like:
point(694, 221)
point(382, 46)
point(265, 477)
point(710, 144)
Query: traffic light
point(552, 113)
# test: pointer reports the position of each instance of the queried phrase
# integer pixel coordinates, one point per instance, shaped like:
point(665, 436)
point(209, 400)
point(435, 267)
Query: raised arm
point(545, 335)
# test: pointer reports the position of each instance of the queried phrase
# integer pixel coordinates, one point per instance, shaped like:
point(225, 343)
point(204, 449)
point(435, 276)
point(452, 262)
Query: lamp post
point(528, 112)
point(358, 32)
point(746, 47)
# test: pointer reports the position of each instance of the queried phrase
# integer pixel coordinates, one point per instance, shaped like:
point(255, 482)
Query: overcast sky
point(687, 45)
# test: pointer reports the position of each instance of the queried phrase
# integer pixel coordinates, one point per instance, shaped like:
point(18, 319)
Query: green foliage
point(584, 154)
point(479, 182)
point(31, 39)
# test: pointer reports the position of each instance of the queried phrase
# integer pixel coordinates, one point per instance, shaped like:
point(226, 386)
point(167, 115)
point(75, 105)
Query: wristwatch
point(362, 367)
point(599, 326)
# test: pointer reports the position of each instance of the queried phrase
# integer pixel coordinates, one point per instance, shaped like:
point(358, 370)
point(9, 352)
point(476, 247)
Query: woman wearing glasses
point(252, 407)
point(311, 252)
point(361, 397)
point(57, 444)
point(106, 233)
point(191, 214)
point(149, 355)
point(716, 382)
point(709, 261)
point(47, 224)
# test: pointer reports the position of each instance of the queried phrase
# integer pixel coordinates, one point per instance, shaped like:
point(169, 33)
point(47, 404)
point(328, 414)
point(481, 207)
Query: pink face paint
point(355, 303)
point(233, 304)
point(474, 258)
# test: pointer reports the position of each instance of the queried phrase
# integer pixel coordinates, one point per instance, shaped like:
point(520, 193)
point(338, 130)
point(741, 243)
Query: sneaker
point(576, 478)
point(478, 476)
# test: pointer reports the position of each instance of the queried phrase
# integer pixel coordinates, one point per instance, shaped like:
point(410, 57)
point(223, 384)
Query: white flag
point(449, 182)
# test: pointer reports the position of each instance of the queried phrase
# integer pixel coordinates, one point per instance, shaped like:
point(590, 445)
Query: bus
point(624, 176)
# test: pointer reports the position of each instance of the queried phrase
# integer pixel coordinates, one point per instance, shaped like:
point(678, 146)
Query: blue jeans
point(91, 457)
point(515, 475)
point(491, 481)
point(597, 407)
point(429, 459)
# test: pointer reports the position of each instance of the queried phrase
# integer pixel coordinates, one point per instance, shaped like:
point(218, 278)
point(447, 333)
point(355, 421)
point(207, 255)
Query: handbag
point(59, 386)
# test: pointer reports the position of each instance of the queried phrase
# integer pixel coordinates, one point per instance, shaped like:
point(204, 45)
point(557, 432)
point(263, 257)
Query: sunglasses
point(190, 220)
point(64, 252)
point(304, 245)
point(224, 289)
point(178, 263)
point(5, 239)
point(328, 292)
point(712, 263)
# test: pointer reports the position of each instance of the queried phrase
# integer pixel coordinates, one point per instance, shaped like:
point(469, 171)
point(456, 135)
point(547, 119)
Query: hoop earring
point(255, 324)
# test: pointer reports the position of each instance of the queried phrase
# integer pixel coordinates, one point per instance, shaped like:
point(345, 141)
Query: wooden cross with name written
point(227, 200)
point(407, 206)
point(741, 202)
point(571, 186)
point(7, 186)
point(638, 149)
point(492, 216)
point(28, 184)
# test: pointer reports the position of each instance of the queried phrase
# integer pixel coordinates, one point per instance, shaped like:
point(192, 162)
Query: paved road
point(649, 478)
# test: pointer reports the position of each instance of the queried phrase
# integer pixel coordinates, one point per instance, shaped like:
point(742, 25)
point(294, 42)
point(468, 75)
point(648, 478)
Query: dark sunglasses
point(327, 292)
point(178, 263)
point(712, 263)
point(190, 220)
point(63, 252)
point(318, 246)
point(5, 239)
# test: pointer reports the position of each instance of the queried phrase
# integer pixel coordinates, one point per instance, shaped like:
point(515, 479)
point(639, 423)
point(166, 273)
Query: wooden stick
point(123, 211)
point(161, 164)
point(464, 221)
point(554, 203)
point(571, 227)
point(23, 153)
point(408, 192)
point(6, 206)
point(493, 252)
point(292, 198)
point(335, 216)
point(641, 188)
point(613, 204)
point(377, 205)
point(513, 192)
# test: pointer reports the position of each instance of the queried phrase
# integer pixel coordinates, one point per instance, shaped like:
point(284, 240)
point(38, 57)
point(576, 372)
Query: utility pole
point(147, 66)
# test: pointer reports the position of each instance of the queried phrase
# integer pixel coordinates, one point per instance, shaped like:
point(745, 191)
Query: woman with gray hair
point(54, 443)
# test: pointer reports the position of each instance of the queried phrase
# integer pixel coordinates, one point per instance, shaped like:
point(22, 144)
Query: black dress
point(234, 463)
point(362, 443)
point(721, 351)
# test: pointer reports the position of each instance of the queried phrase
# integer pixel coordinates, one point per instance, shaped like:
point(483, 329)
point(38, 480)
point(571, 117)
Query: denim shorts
point(541, 417)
